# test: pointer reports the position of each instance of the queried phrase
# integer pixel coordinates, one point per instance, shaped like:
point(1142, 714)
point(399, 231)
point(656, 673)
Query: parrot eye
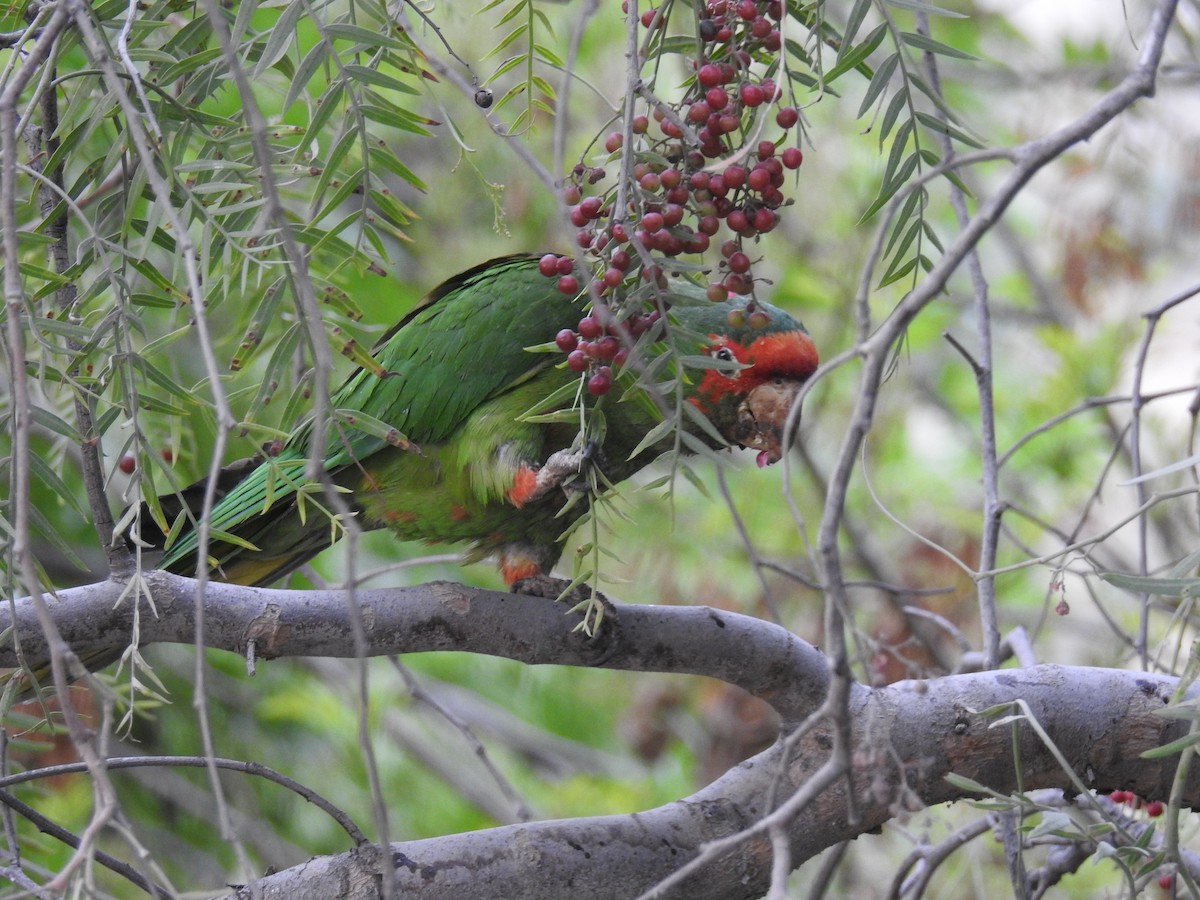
point(724, 354)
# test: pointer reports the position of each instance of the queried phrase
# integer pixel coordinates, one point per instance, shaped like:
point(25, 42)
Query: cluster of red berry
point(1153, 808)
point(593, 347)
point(696, 169)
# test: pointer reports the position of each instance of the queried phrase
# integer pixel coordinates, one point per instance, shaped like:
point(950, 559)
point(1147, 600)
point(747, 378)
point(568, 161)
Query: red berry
point(584, 237)
point(736, 284)
point(168, 455)
point(621, 357)
point(747, 9)
point(698, 112)
point(620, 260)
point(672, 215)
point(128, 463)
point(766, 149)
point(641, 124)
point(717, 98)
point(709, 75)
point(760, 27)
point(787, 117)
point(736, 318)
point(572, 194)
point(607, 347)
point(568, 284)
point(708, 225)
point(652, 222)
point(589, 328)
point(758, 319)
point(578, 217)
point(737, 220)
point(717, 293)
point(565, 265)
point(764, 220)
point(650, 182)
point(613, 276)
point(612, 143)
point(566, 340)
point(618, 233)
point(739, 262)
point(759, 179)
point(1165, 881)
point(648, 17)
point(600, 383)
point(577, 361)
point(729, 123)
point(751, 94)
point(548, 265)
point(792, 157)
point(734, 176)
point(1154, 809)
point(590, 207)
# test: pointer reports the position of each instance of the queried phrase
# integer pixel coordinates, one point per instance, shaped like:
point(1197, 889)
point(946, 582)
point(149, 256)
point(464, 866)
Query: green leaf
point(857, 56)
point(933, 123)
point(318, 54)
point(854, 21)
point(1164, 587)
point(879, 82)
point(1173, 748)
point(360, 421)
point(279, 38)
point(367, 75)
point(929, 45)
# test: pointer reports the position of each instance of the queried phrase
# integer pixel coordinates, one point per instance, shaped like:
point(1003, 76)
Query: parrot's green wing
point(462, 346)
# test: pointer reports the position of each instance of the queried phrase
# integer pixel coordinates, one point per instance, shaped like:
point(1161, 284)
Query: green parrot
point(481, 451)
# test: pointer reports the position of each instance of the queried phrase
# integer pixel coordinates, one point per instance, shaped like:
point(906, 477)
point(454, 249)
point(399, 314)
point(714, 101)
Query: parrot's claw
point(567, 469)
point(600, 621)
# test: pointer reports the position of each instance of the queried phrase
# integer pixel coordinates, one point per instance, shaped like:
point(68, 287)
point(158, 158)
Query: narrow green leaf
point(933, 123)
point(1173, 748)
point(368, 75)
point(279, 38)
point(858, 12)
point(308, 67)
point(1164, 587)
point(857, 56)
point(929, 8)
point(929, 45)
point(898, 103)
point(879, 82)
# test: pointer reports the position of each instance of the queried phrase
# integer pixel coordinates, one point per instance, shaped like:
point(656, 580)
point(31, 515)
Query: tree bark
point(906, 737)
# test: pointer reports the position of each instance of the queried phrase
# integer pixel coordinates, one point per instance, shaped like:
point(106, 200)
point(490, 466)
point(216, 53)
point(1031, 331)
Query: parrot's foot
point(600, 620)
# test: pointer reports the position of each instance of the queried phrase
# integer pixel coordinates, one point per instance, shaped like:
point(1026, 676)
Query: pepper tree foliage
point(213, 208)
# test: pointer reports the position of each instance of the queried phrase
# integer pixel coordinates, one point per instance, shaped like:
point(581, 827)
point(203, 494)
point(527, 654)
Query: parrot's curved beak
point(762, 419)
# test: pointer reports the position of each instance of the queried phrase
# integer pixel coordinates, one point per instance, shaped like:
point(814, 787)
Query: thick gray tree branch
point(762, 658)
point(905, 737)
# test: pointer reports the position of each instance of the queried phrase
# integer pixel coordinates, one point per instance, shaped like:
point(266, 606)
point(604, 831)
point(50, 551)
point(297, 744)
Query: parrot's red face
point(750, 406)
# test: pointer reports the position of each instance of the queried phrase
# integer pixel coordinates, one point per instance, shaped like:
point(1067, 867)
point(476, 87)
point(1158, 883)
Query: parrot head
point(761, 362)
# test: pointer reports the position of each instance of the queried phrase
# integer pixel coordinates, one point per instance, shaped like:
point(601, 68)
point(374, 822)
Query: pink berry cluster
point(697, 171)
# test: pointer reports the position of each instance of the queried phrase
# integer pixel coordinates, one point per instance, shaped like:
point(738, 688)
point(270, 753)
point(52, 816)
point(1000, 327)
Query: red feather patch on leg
point(515, 566)
point(525, 486)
